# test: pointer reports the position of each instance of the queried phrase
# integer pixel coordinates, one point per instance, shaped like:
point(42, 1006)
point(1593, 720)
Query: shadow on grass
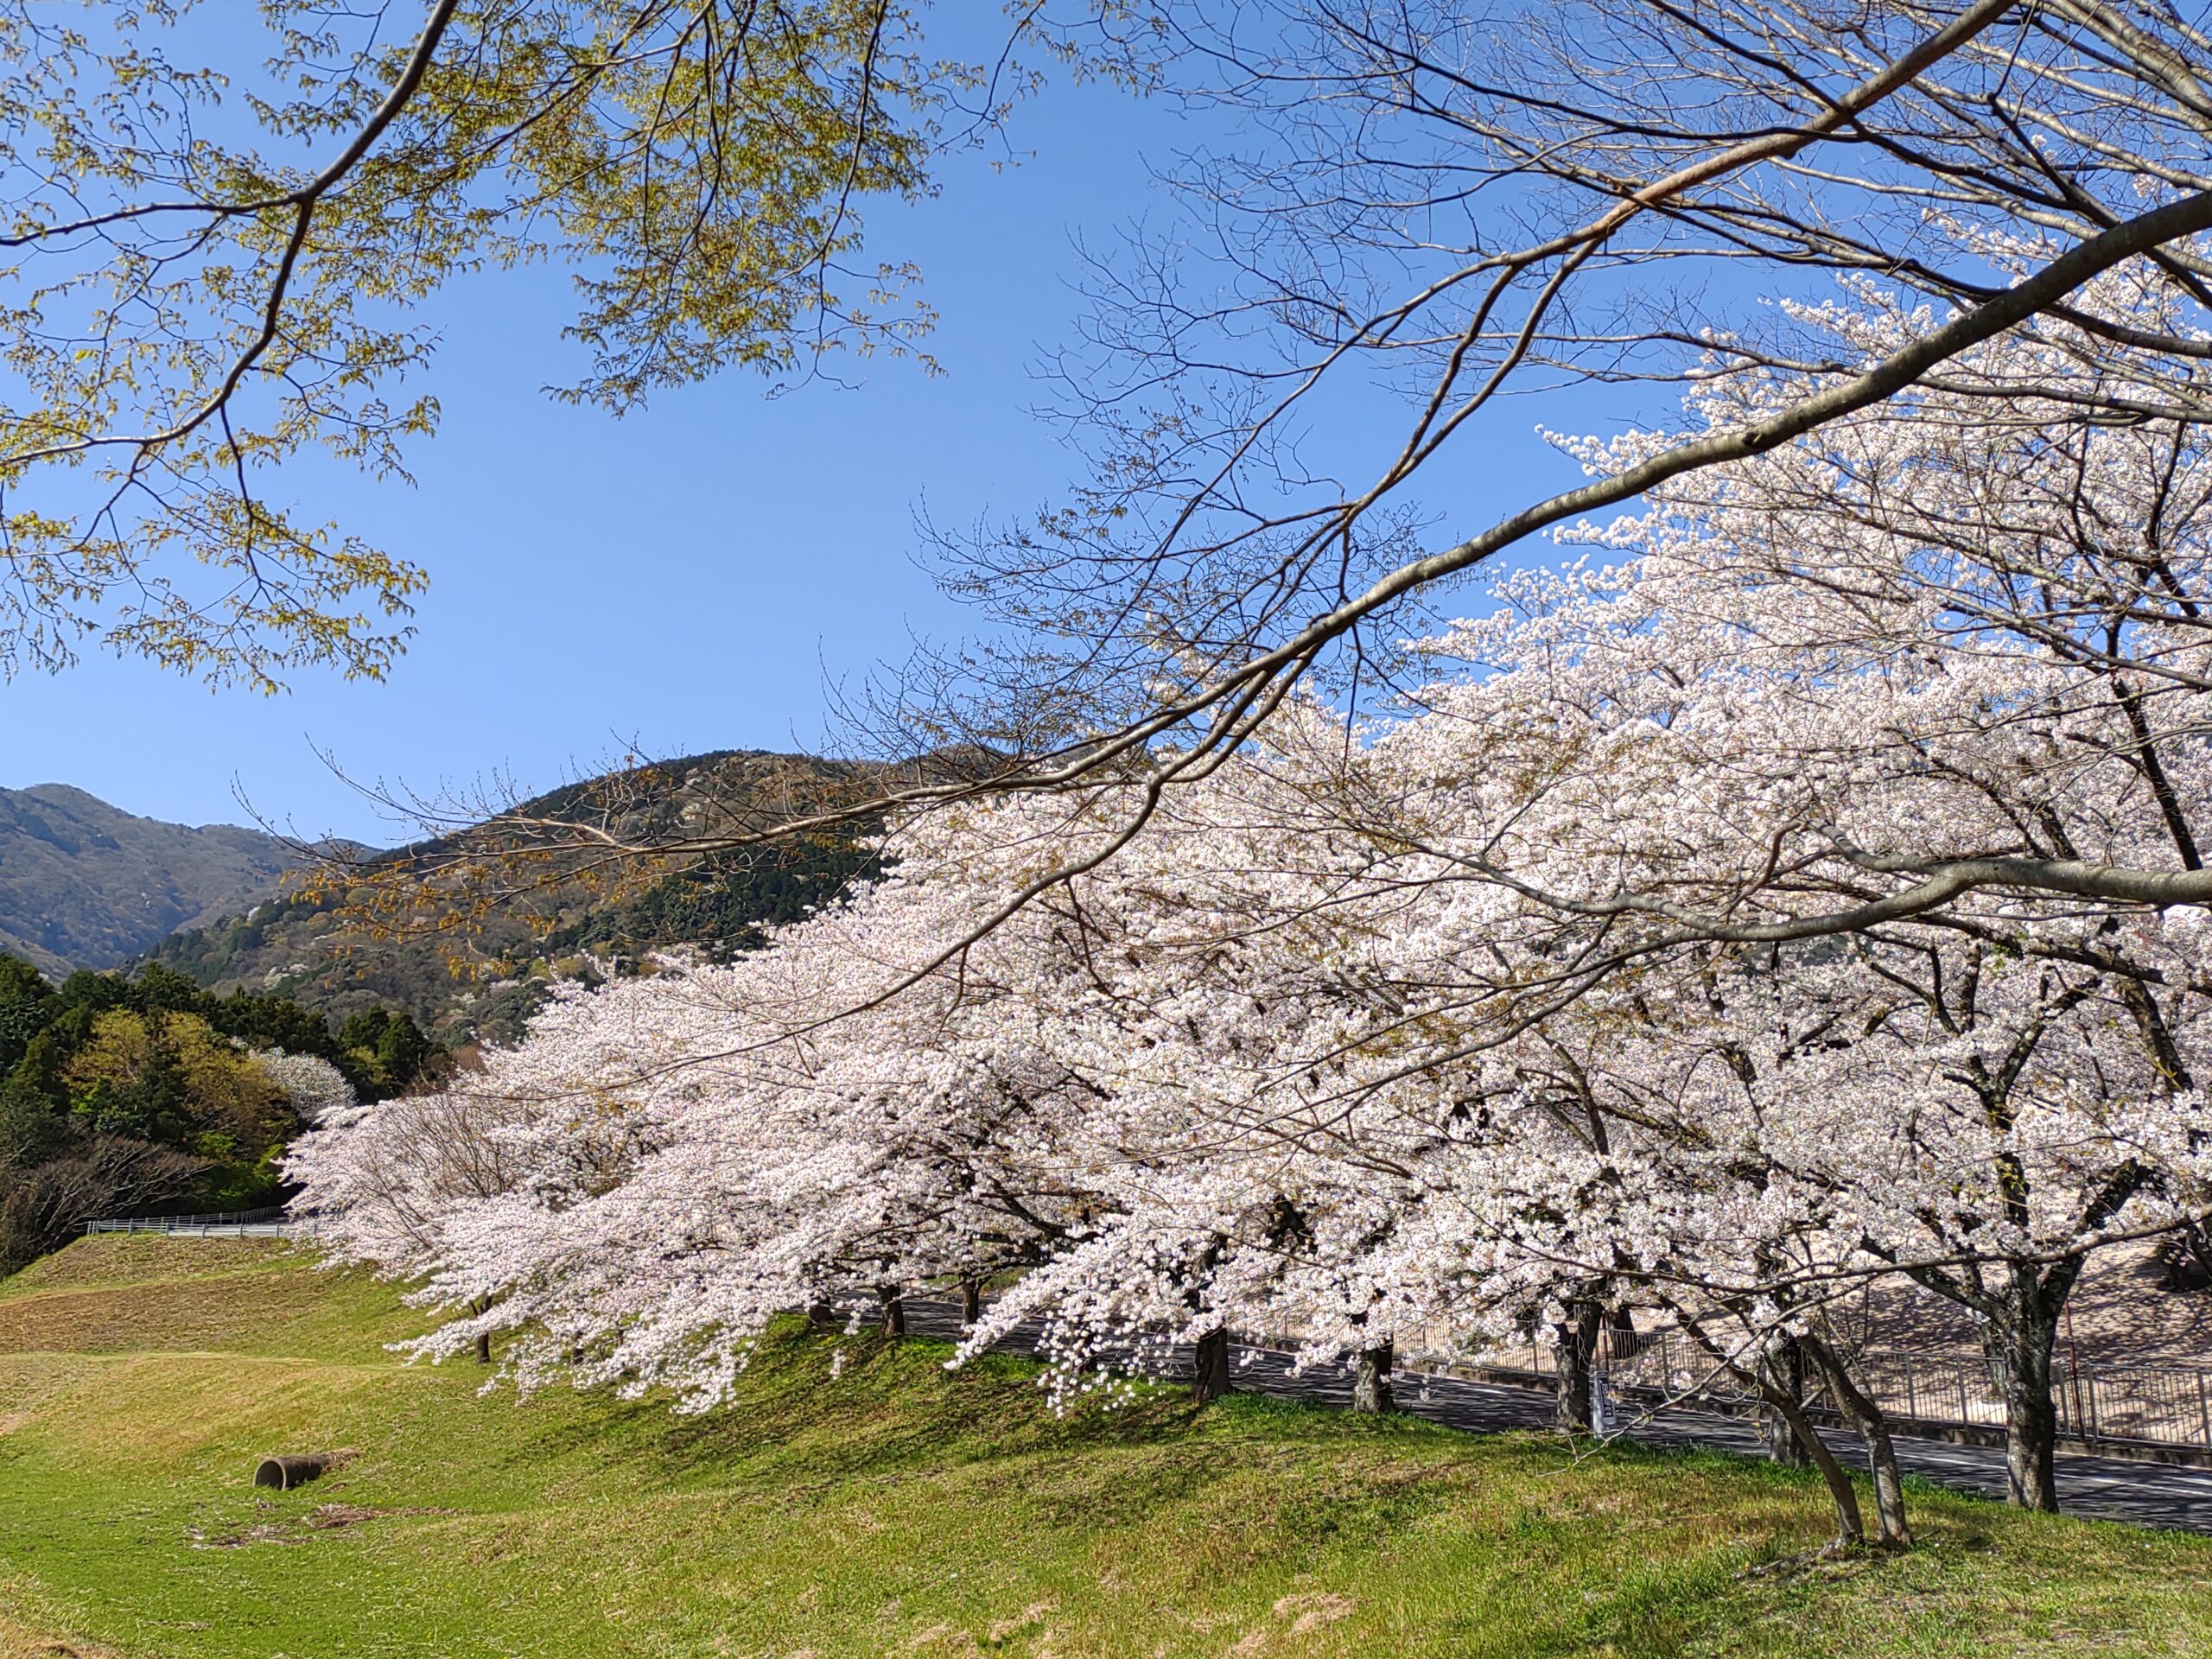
point(890, 1406)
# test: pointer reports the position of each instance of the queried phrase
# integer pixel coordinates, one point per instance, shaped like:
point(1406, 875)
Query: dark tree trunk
point(971, 1302)
point(1371, 1381)
point(894, 1312)
point(1850, 1525)
point(1211, 1378)
point(2023, 1350)
point(1578, 1345)
point(2193, 1247)
point(2019, 1318)
point(1873, 1428)
point(1784, 1369)
point(821, 1315)
point(483, 1347)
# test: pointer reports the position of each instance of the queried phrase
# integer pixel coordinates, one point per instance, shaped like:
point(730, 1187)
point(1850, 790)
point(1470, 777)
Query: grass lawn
point(897, 1508)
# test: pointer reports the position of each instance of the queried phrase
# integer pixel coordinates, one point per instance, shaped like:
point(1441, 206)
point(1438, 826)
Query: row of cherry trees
point(1802, 894)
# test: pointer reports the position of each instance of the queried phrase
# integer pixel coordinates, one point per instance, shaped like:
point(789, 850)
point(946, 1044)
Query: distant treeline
point(141, 1093)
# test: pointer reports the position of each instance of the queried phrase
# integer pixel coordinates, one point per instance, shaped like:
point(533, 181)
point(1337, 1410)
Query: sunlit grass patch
point(894, 1508)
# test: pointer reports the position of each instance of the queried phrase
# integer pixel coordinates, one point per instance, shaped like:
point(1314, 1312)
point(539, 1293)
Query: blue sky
point(681, 579)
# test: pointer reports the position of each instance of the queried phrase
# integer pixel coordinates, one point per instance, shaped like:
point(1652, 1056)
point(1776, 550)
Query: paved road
point(2112, 1489)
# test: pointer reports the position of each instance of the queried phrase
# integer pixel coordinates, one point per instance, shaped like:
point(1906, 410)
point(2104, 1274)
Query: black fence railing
point(2151, 1405)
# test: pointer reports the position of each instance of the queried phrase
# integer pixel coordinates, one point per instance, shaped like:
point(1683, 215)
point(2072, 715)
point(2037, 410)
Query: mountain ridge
point(85, 884)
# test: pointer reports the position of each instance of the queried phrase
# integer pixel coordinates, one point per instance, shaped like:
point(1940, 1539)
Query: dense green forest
point(721, 905)
point(143, 1093)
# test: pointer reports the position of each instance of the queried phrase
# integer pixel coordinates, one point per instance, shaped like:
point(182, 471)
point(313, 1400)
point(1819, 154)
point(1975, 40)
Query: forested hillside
point(84, 885)
point(468, 951)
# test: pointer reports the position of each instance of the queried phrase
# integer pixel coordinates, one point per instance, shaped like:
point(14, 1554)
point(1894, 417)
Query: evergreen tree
point(132, 1067)
point(401, 1050)
point(27, 1002)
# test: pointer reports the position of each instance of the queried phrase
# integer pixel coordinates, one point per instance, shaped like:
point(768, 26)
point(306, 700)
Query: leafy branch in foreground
point(212, 267)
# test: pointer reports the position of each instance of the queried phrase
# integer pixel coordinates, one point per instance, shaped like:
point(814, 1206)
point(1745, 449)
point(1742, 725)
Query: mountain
point(84, 885)
point(466, 931)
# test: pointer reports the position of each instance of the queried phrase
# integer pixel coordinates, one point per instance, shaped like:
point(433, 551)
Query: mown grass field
point(895, 1509)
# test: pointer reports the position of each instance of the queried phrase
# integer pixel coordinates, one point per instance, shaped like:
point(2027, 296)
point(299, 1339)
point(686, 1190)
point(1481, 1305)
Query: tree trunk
point(1371, 1380)
point(821, 1315)
point(483, 1347)
point(2194, 1245)
point(1211, 1379)
point(2023, 1348)
point(1578, 1342)
point(1850, 1525)
point(1784, 1369)
point(971, 1302)
point(894, 1312)
point(1873, 1428)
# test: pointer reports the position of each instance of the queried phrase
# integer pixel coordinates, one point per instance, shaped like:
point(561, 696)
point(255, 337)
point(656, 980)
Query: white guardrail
point(226, 1224)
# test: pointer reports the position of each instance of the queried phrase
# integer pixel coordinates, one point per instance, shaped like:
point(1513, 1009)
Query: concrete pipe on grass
point(285, 1473)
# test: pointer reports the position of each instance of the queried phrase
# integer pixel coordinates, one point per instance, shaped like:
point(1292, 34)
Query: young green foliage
point(216, 265)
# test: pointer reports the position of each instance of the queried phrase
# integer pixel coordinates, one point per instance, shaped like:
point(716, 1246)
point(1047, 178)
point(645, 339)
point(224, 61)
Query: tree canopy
point(225, 236)
point(1705, 935)
point(140, 1093)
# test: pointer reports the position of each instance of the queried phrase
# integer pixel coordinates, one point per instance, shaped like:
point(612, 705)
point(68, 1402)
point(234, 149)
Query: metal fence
point(232, 1223)
point(2153, 1405)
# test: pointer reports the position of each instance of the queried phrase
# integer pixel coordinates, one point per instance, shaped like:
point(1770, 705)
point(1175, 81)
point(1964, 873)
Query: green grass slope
point(896, 1509)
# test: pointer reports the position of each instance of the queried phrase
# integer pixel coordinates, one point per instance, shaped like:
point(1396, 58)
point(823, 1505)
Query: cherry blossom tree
point(312, 1087)
point(677, 1159)
point(1804, 899)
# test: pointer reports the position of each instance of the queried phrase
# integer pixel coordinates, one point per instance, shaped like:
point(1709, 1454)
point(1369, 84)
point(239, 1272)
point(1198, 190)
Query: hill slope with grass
point(895, 1508)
